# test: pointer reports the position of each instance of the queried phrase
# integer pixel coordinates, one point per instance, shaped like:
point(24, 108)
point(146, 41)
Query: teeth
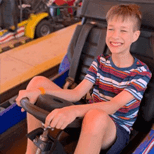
point(115, 43)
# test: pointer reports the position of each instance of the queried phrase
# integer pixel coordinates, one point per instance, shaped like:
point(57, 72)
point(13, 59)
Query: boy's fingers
point(59, 124)
point(22, 110)
point(18, 99)
point(64, 126)
point(54, 122)
point(18, 103)
point(48, 120)
point(50, 117)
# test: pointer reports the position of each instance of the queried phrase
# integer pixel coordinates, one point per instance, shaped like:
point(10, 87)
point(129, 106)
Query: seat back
point(94, 12)
point(90, 47)
point(143, 49)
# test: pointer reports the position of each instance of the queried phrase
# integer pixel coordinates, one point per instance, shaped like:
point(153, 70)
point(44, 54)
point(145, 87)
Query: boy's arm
point(68, 114)
point(109, 107)
point(72, 95)
point(135, 89)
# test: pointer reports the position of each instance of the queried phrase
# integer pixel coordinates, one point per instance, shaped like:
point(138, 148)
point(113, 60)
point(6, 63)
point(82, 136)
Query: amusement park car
point(84, 47)
point(37, 17)
point(87, 43)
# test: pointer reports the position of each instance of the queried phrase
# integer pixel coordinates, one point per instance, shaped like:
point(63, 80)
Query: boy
point(119, 83)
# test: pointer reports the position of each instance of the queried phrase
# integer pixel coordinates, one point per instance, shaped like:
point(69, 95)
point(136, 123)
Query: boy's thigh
point(110, 133)
point(122, 138)
point(41, 81)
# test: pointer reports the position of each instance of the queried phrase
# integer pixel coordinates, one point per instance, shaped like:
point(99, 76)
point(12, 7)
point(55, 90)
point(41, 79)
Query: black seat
point(93, 13)
point(143, 49)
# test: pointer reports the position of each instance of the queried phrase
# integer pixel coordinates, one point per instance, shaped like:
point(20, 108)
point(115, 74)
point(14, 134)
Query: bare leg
point(32, 122)
point(98, 131)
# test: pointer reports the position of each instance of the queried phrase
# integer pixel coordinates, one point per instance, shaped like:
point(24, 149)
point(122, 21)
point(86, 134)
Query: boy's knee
point(37, 79)
point(95, 121)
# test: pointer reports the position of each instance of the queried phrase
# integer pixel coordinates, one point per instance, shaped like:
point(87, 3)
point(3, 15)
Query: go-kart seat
point(93, 45)
point(143, 49)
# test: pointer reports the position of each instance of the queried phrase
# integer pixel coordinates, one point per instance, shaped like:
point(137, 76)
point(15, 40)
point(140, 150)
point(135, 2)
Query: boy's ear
point(136, 35)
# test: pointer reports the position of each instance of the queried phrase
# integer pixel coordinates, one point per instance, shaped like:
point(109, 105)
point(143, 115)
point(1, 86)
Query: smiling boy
point(119, 82)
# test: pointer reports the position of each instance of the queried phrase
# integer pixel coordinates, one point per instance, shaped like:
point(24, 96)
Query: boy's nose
point(115, 34)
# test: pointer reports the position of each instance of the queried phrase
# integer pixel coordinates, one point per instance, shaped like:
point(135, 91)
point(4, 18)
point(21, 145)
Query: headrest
point(144, 45)
point(98, 8)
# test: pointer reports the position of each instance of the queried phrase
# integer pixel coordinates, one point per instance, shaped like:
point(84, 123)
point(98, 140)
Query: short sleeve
point(92, 71)
point(138, 84)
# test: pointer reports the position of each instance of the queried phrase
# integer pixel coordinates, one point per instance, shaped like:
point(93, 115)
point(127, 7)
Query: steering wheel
point(41, 114)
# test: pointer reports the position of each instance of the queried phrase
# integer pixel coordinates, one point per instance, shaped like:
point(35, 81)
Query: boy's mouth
point(116, 44)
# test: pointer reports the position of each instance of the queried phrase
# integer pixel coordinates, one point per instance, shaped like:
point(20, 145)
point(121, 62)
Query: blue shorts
point(121, 141)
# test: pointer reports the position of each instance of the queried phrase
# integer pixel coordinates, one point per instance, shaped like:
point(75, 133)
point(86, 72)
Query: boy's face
point(120, 35)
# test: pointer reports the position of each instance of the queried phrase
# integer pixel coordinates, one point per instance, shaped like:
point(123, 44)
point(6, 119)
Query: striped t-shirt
point(109, 80)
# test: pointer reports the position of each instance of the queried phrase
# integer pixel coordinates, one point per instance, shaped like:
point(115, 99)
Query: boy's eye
point(110, 29)
point(123, 31)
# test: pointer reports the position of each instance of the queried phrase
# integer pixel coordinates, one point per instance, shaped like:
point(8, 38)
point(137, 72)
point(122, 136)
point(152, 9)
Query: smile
point(116, 44)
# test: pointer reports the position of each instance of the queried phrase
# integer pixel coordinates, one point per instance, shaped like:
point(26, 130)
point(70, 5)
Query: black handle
point(37, 112)
point(41, 114)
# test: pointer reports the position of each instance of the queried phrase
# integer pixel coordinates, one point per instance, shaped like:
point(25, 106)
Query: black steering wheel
point(41, 114)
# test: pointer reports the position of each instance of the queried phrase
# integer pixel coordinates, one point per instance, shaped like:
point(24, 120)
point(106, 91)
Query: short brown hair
point(125, 11)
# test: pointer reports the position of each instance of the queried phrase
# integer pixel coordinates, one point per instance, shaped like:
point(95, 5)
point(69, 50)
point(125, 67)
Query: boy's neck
point(122, 61)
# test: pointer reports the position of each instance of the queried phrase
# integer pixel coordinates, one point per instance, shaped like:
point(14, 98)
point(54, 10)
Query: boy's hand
point(32, 95)
point(60, 118)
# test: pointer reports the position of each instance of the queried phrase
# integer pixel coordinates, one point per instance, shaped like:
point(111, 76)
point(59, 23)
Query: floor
point(14, 141)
